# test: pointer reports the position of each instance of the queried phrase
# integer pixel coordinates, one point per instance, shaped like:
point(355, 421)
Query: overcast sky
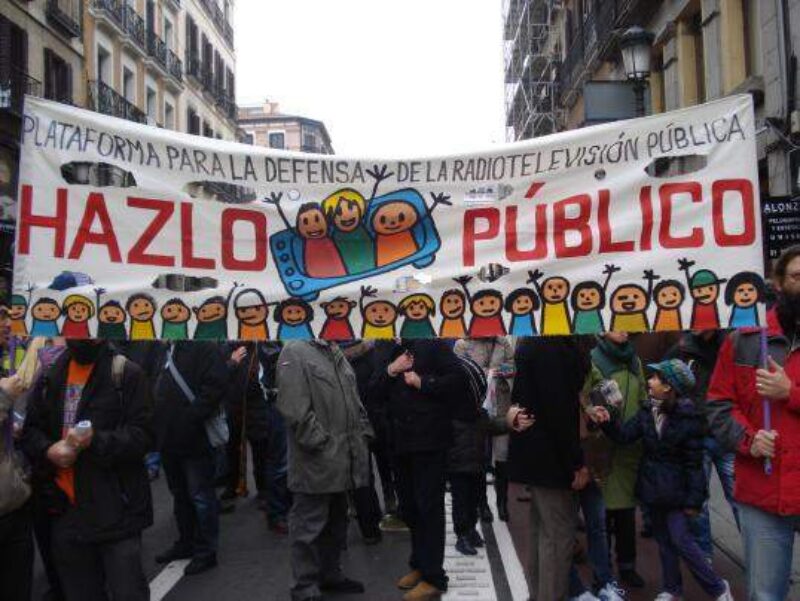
point(389, 79)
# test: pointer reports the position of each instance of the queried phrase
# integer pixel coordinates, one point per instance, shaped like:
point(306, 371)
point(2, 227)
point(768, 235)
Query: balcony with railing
point(157, 49)
point(174, 65)
point(219, 19)
point(14, 84)
point(207, 79)
point(124, 18)
point(104, 99)
point(193, 66)
point(66, 16)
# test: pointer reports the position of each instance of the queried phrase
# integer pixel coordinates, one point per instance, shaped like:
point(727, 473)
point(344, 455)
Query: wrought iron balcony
point(66, 16)
point(133, 25)
point(124, 17)
point(207, 78)
point(13, 87)
point(157, 49)
point(174, 65)
point(104, 99)
point(218, 18)
point(193, 66)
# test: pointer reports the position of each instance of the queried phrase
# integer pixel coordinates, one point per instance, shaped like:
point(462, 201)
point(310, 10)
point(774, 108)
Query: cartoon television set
point(399, 228)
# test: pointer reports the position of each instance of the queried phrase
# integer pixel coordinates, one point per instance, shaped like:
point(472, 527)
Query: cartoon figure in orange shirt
point(392, 219)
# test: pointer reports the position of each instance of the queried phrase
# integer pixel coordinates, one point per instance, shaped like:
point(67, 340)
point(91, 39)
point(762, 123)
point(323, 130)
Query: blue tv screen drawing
point(398, 230)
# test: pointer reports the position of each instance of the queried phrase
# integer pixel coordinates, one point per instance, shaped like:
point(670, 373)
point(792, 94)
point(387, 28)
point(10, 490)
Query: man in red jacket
point(769, 503)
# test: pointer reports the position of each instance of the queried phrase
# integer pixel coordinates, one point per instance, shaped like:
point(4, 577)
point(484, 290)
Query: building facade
point(702, 50)
point(265, 125)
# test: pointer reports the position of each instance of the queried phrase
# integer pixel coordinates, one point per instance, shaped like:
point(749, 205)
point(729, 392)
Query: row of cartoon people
point(564, 310)
point(349, 234)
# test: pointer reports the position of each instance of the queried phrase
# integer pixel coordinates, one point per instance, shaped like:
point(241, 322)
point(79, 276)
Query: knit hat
point(675, 373)
point(705, 277)
point(249, 298)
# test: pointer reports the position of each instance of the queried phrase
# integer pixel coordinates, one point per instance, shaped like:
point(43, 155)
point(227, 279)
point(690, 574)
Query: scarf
point(609, 357)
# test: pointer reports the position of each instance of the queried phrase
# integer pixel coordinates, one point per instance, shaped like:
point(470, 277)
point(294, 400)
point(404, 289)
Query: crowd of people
point(595, 428)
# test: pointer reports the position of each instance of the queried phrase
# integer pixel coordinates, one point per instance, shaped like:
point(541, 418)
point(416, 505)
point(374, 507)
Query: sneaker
point(465, 547)
point(279, 526)
point(726, 596)
point(585, 596)
point(611, 592)
point(198, 565)
point(392, 523)
point(344, 586)
point(176, 551)
point(667, 597)
point(631, 578)
point(410, 580)
point(475, 539)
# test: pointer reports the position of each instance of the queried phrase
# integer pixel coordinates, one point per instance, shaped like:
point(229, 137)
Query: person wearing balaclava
point(754, 408)
point(86, 432)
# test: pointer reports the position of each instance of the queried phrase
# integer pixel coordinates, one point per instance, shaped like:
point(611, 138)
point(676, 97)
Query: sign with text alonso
point(128, 231)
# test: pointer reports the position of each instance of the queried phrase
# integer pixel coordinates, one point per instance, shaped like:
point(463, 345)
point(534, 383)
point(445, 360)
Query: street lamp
point(635, 47)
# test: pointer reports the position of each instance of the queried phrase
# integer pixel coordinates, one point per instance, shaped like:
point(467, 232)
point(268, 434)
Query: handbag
point(15, 487)
point(217, 425)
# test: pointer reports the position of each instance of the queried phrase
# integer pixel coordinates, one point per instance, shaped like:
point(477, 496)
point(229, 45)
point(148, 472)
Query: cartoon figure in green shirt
point(345, 210)
point(175, 316)
point(418, 310)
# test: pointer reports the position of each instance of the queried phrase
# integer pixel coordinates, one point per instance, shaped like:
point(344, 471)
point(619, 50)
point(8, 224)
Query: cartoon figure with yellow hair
point(344, 210)
point(417, 310)
point(77, 311)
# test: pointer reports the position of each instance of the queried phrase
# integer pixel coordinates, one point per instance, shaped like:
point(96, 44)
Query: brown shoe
point(410, 580)
point(423, 592)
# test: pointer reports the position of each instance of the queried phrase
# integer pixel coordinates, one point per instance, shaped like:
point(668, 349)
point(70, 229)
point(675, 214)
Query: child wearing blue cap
point(671, 479)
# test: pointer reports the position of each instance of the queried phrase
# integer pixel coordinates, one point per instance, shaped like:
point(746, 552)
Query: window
point(192, 122)
point(169, 115)
point(207, 131)
point(104, 65)
point(128, 85)
point(699, 57)
point(168, 34)
point(57, 77)
point(276, 140)
point(231, 86)
point(152, 107)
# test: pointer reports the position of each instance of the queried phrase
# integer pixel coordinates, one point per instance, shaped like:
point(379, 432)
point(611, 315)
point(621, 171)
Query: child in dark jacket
point(671, 479)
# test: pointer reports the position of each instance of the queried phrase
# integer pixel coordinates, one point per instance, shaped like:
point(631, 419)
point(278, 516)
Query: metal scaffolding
point(531, 50)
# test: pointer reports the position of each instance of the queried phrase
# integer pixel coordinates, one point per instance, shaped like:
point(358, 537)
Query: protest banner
point(129, 231)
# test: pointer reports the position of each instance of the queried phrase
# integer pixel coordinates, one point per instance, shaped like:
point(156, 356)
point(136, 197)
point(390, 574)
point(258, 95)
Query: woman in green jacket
point(614, 359)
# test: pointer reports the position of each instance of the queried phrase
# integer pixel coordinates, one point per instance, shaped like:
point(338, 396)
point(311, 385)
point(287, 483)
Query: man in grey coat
point(328, 430)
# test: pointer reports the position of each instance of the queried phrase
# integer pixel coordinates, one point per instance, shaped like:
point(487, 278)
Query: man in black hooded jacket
point(94, 483)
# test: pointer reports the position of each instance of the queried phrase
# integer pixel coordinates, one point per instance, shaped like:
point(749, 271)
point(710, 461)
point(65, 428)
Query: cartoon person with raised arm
point(704, 287)
point(392, 223)
point(345, 210)
point(588, 300)
point(142, 308)
point(251, 310)
point(294, 317)
point(212, 317)
point(417, 310)
point(668, 296)
point(554, 292)
point(175, 316)
point(337, 319)
point(77, 311)
point(743, 293)
point(522, 303)
point(629, 304)
point(321, 257)
point(452, 306)
point(486, 307)
point(111, 318)
point(45, 313)
point(378, 316)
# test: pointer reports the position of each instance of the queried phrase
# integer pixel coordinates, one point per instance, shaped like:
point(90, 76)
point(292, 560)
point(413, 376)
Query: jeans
point(621, 525)
point(420, 481)
point(16, 554)
point(594, 515)
point(768, 546)
point(88, 570)
point(675, 542)
point(278, 499)
point(723, 463)
point(195, 504)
